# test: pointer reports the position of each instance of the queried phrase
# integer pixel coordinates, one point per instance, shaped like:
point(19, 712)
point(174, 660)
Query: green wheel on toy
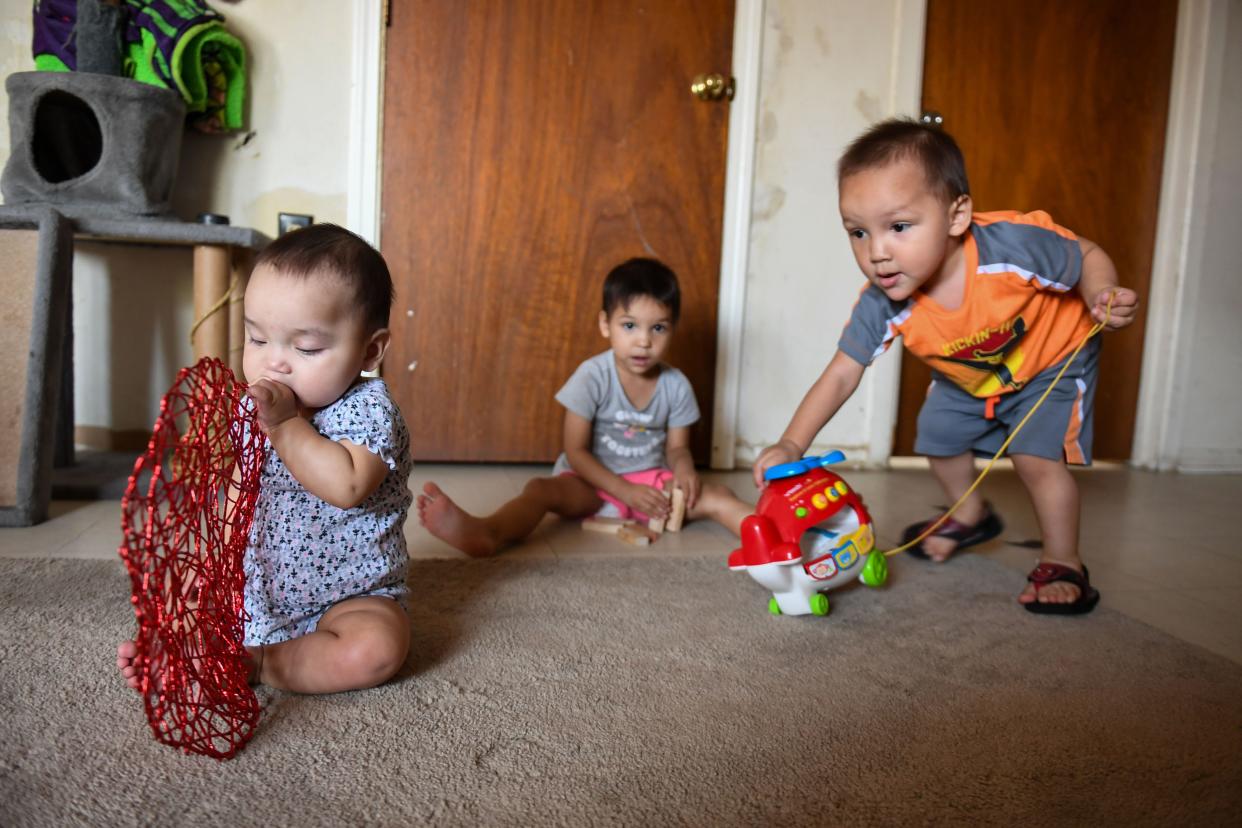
point(819, 603)
point(875, 570)
point(773, 606)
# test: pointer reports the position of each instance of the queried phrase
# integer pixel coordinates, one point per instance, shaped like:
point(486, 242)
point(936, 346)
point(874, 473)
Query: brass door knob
point(712, 87)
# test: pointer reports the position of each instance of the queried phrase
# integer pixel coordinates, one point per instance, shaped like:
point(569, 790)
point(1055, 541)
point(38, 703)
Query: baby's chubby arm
point(820, 404)
point(578, 451)
point(341, 473)
point(1099, 283)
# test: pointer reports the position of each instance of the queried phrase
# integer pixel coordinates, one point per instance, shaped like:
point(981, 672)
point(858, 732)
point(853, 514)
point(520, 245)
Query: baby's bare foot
point(127, 663)
point(126, 656)
point(448, 522)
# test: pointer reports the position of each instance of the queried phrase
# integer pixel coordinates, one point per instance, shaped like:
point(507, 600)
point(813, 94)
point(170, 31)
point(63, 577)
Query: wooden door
point(1061, 106)
point(529, 146)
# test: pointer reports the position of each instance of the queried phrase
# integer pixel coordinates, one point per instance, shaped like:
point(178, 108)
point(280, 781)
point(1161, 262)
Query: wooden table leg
point(212, 268)
point(243, 260)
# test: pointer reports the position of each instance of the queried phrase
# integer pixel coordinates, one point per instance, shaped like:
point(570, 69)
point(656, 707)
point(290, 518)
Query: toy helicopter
point(810, 533)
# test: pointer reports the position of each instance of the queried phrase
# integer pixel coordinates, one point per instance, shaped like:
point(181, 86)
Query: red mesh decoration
point(185, 517)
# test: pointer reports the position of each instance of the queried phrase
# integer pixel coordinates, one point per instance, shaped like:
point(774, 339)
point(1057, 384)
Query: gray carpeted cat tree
point(37, 249)
point(92, 143)
point(91, 155)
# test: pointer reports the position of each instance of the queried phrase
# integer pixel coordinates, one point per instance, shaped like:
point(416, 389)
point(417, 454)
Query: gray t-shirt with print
point(625, 439)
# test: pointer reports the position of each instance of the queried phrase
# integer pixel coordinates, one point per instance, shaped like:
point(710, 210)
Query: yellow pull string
point(226, 299)
point(1099, 326)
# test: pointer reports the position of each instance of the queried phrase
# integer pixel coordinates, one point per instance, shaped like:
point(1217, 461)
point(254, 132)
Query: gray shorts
point(953, 422)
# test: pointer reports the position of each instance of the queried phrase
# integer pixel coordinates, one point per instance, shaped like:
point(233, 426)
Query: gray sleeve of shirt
point(683, 408)
point(864, 337)
point(1049, 260)
point(584, 392)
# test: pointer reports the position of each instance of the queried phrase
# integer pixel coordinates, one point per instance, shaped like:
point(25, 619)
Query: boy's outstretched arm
point(577, 438)
point(1099, 284)
point(825, 398)
point(343, 474)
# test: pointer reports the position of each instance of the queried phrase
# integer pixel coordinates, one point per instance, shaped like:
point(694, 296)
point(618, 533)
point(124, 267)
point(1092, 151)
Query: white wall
point(133, 308)
point(1204, 431)
point(830, 69)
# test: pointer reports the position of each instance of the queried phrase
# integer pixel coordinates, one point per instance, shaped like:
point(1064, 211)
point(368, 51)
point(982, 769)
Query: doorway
point(528, 148)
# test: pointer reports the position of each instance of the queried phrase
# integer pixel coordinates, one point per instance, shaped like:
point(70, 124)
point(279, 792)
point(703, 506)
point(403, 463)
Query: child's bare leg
point(1054, 494)
point(452, 524)
point(955, 475)
point(564, 495)
point(360, 642)
point(721, 505)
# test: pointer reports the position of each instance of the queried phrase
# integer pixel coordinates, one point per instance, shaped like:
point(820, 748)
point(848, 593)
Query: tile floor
point(1159, 546)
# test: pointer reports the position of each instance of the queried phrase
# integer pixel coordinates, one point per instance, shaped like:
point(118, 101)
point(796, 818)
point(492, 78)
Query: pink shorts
point(646, 477)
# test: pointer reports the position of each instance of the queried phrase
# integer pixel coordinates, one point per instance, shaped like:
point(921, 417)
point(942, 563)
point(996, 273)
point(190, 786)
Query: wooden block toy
point(604, 525)
point(678, 513)
point(636, 535)
point(656, 524)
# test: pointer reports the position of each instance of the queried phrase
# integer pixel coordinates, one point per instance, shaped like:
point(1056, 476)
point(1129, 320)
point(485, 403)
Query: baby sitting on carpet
point(326, 560)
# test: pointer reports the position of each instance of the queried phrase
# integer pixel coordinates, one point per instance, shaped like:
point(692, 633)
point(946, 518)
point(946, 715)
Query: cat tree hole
point(67, 141)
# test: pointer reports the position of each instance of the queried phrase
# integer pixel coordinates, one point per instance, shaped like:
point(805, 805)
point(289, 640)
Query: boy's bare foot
point(972, 524)
point(451, 524)
point(939, 549)
point(1058, 592)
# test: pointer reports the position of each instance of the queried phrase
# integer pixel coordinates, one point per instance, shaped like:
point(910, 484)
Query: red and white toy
point(810, 533)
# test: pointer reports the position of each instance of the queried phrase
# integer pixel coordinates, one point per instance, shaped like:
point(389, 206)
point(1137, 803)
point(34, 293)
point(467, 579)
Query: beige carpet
point(640, 691)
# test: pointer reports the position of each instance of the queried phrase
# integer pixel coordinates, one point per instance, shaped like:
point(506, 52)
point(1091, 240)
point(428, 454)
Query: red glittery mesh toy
point(185, 517)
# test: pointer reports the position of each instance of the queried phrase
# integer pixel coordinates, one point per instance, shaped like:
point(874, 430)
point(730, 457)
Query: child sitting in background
point(326, 560)
point(626, 433)
point(995, 303)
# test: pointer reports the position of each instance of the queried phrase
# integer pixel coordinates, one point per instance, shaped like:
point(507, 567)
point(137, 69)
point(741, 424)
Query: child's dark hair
point(329, 248)
point(642, 277)
point(931, 148)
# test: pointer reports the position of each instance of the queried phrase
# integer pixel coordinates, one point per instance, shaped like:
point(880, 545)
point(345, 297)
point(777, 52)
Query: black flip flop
point(1049, 573)
point(966, 536)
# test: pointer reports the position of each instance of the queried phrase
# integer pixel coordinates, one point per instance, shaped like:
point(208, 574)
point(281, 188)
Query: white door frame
point(366, 120)
point(735, 239)
point(1177, 261)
